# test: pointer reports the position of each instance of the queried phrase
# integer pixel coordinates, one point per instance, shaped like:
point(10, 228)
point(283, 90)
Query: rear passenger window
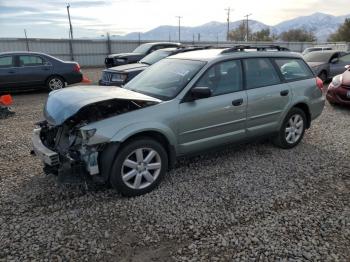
point(27, 60)
point(223, 78)
point(6, 61)
point(260, 72)
point(293, 69)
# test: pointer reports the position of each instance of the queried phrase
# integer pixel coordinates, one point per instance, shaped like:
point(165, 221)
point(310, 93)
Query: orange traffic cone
point(6, 100)
point(86, 80)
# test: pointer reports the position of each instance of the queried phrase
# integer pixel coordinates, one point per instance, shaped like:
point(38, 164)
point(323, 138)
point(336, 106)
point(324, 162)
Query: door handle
point(11, 72)
point(284, 92)
point(237, 102)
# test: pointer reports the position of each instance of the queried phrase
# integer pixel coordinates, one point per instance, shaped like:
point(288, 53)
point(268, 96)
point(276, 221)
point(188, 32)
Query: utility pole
point(109, 46)
point(179, 17)
point(27, 43)
point(193, 39)
point(70, 33)
point(247, 35)
point(199, 37)
point(139, 38)
point(228, 23)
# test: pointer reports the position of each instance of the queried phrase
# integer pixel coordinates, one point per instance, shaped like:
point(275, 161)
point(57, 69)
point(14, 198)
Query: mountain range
point(321, 24)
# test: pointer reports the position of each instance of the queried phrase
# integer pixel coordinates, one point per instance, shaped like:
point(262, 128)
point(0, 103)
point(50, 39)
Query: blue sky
point(48, 18)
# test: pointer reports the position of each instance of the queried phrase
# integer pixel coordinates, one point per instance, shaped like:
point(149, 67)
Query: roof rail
point(241, 48)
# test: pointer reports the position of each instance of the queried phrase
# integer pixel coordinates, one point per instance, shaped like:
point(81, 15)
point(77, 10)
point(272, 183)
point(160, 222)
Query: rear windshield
point(155, 57)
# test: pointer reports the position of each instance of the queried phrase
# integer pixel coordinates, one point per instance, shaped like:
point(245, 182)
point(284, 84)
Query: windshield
point(318, 57)
point(165, 79)
point(155, 57)
point(142, 49)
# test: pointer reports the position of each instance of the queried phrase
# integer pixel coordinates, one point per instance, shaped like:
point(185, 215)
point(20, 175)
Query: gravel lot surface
point(252, 202)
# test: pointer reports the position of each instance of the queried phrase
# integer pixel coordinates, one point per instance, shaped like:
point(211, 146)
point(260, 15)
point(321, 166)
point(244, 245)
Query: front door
point(339, 66)
point(218, 119)
point(33, 70)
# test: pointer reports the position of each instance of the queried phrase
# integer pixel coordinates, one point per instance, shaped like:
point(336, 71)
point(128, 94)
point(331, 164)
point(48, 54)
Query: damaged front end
point(62, 143)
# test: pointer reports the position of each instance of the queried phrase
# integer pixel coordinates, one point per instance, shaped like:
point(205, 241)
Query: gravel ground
point(252, 202)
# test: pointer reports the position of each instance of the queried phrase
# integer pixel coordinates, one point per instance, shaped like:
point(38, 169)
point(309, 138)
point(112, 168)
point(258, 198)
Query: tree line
point(292, 35)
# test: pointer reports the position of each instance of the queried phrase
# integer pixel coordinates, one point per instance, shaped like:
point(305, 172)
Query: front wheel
point(139, 167)
point(292, 130)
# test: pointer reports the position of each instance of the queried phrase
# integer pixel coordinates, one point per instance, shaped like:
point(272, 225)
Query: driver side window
point(345, 58)
point(223, 78)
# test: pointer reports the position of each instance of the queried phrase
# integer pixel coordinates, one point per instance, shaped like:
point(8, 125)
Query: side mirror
point(334, 60)
point(199, 92)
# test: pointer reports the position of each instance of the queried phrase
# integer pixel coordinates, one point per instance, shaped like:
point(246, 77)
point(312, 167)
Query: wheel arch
point(159, 137)
point(53, 75)
point(306, 110)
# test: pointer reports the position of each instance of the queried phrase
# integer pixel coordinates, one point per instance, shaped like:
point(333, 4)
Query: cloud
point(16, 9)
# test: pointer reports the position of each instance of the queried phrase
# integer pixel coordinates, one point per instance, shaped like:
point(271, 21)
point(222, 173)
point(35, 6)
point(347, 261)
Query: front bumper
point(48, 156)
point(338, 95)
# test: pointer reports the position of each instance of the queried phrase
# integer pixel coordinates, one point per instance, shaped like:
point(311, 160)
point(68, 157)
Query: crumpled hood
point(63, 104)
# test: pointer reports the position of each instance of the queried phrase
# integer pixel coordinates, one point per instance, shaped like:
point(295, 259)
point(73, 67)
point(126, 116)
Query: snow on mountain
point(321, 24)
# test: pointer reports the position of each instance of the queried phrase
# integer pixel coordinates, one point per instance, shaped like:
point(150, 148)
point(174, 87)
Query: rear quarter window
point(6, 61)
point(293, 69)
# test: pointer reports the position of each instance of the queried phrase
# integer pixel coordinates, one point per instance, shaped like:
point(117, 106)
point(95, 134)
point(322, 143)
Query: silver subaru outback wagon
point(191, 102)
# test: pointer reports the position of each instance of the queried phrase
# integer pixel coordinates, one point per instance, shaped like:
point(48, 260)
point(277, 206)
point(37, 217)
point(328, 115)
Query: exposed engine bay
point(75, 158)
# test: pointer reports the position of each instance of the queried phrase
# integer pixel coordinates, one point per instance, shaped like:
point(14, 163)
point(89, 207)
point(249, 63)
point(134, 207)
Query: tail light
point(76, 68)
point(319, 83)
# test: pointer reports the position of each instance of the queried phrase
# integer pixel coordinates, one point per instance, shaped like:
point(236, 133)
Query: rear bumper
point(74, 78)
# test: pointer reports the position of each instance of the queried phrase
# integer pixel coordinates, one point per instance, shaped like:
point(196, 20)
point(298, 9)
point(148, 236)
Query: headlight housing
point(336, 81)
point(118, 77)
point(87, 134)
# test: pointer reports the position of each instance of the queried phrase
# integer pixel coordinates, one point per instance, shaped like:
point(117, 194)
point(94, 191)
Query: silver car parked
point(188, 103)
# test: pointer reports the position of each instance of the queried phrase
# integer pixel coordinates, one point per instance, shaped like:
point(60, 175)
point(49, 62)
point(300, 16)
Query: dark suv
point(139, 53)
point(120, 75)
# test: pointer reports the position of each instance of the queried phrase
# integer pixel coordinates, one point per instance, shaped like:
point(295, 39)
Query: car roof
point(162, 43)
point(21, 53)
point(213, 54)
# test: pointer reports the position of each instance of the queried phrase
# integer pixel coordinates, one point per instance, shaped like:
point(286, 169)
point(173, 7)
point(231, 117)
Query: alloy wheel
point(55, 83)
point(294, 129)
point(141, 168)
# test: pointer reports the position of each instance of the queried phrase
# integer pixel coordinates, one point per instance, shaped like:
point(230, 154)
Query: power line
point(247, 34)
point(179, 17)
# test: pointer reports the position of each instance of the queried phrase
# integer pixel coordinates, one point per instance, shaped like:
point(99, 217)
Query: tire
point(287, 140)
point(323, 76)
point(55, 83)
point(131, 172)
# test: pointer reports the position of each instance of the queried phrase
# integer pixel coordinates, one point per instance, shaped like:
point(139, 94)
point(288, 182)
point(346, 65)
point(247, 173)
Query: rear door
point(339, 66)
point(33, 70)
point(7, 72)
point(268, 96)
point(218, 119)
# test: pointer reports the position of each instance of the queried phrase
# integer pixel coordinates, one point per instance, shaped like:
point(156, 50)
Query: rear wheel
point(55, 83)
point(292, 130)
point(139, 167)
